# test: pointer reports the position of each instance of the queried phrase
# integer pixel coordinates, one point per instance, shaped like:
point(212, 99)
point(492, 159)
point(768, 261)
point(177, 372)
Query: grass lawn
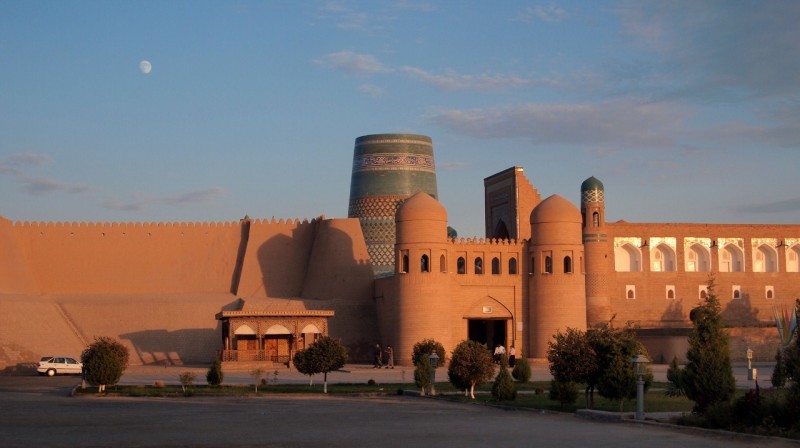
point(530, 395)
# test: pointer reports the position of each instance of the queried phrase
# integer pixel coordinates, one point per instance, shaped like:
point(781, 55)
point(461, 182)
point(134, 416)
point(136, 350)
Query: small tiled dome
point(592, 183)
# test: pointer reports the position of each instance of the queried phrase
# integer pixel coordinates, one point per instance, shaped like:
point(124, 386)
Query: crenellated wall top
point(486, 242)
point(102, 229)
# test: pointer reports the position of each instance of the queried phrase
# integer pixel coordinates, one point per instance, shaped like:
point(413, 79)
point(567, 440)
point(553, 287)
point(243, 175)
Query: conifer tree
point(708, 376)
point(503, 388)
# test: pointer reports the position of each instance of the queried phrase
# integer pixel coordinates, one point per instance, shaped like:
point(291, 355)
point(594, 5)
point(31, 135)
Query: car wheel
point(51, 372)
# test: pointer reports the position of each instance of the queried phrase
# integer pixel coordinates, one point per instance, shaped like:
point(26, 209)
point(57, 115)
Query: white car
point(58, 365)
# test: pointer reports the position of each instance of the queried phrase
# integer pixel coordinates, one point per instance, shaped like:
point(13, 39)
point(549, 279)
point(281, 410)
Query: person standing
point(512, 356)
point(389, 352)
point(376, 357)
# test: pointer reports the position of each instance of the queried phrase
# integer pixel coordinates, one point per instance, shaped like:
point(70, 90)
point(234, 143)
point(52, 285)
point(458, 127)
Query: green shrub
point(104, 361)
point(779, 372)
point(565, 392)
point(214, 376)
point(423, 349)
point(187, 380)
point(422, 375)
point(471, 365)
point(503, 388)
point(522, 370)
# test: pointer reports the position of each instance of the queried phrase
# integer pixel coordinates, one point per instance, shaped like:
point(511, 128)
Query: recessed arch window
point(630, 291)
point(731, 259)
point(404, 264)
point(663, 259)
point(442, 263)
point(702, 292)
point(765, 259)
point(769, 292)
point(479, 265)
point(793, 258)
point(548, 265)
point(495, 266)
point(424, 264)
point(568, 265)
point(512, 266)
point(596, 219)
point(461, 265)
point(627, 258)
point(697, 259)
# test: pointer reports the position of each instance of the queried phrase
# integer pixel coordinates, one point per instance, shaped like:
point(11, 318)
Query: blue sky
point(687, 111)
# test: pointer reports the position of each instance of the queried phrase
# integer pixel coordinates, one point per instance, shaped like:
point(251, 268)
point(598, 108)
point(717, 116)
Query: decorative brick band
point(394, 162)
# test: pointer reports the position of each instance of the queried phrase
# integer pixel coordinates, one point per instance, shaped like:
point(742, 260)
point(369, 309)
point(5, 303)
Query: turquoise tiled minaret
point(387, 169)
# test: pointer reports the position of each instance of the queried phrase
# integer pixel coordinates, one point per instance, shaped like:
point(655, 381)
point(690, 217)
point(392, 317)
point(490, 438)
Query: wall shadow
point(174, 348)
point(740, 312)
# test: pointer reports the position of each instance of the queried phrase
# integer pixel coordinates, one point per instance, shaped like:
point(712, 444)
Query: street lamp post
point(640, 370)
point(752, 374)
point(434, 361)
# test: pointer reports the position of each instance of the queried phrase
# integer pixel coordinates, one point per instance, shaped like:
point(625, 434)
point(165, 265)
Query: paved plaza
point(38, 411)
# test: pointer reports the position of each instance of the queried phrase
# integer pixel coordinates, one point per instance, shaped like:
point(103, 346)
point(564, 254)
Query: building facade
point(260, 290)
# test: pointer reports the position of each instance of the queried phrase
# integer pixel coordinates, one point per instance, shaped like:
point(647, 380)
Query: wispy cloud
point(42, 185)
point(785, 206)
point(371, 90)
point(142, 202)
point(351, 62)
point(625, 124)
point(355, 63)
point(544, 13)
point(453, 166)
point(719, 49)
point(455, 81)
point(13, 164)
point(18, 166)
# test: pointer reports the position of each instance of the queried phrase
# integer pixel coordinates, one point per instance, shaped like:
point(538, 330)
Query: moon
point(145, 66)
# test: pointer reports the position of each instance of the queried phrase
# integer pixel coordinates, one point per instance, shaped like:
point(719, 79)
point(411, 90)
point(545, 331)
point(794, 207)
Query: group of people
point(500, 351)
point(382, 357)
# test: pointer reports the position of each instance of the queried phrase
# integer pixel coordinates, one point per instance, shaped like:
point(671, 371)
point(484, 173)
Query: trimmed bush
point(522, 370)
point(104, 361)
point(565, 392)
point(423, 349)
point(422, 375)
point(214, 376)
point(503, 388)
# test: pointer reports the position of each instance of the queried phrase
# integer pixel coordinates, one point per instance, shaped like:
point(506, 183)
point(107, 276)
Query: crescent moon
point(145, 66)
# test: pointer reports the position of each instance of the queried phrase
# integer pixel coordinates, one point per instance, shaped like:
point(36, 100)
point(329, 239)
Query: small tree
point(565, 392)
point(522, 370)
point(104, 362)
point(422, 374)
point(423, 349)
point(675, 378)
point(708, 376)
point(258, 376)
point(573, 360)
point(325, 355)
point(503, 388)
point(779, 372)
point(617, 380)
point(214, 376)
point(470, 365)
point(187, 380)
point(303, 364)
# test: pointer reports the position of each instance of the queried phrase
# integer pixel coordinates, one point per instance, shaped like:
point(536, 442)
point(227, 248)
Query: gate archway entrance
point(488, 331)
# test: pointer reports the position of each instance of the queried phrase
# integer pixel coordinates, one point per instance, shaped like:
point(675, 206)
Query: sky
point(687, 111)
